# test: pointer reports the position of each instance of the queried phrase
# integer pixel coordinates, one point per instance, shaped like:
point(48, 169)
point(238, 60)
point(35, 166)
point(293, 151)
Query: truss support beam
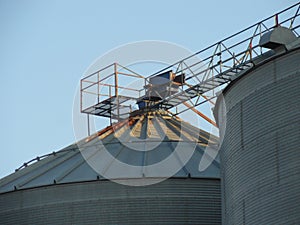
point(200, 114)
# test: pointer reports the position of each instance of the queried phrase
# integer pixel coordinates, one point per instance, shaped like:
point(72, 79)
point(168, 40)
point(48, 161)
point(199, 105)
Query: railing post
point(276, 20)
point(80, 95)
point(260, 37)
point(116, 90)
point(116, 79)
point(233, 57)
point(220, 57)
point(250, 49)
point(98, 87)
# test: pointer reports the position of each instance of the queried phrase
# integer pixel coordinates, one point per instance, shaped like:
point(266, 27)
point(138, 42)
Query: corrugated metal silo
point(260, 157)
point(62, 188)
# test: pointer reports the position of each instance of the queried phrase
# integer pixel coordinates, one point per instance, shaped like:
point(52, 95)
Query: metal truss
point(206, 72)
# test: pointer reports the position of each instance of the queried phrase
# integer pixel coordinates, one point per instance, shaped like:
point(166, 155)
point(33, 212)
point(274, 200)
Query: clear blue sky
point(45, 47)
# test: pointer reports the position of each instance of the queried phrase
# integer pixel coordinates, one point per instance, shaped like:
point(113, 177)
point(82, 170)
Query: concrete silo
point(260, 157)
point(63, 188)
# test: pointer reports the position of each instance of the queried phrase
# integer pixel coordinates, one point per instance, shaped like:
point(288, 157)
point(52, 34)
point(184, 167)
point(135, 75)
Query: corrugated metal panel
point(270, 108)
point(274, 70)
point(248, 85)
point(174, 201)
point(62, 188)
point(260, 155)
point(167, 134)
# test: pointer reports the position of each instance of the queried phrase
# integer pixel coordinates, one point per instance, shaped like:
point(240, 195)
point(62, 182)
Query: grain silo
point(260, 157)
point(258, 115)
point(62, 188)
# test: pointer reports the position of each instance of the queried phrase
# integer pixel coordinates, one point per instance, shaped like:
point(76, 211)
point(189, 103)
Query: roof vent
point(279, 36)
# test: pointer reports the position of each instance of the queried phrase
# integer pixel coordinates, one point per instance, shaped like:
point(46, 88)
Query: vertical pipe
point(88, 124)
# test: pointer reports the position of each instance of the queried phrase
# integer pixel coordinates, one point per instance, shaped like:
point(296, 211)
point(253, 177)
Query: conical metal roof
point(143, 142)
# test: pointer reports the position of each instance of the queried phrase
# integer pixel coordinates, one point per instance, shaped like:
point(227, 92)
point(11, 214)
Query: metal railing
point(104, 84)
point(206, 71)
point(214, 66)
